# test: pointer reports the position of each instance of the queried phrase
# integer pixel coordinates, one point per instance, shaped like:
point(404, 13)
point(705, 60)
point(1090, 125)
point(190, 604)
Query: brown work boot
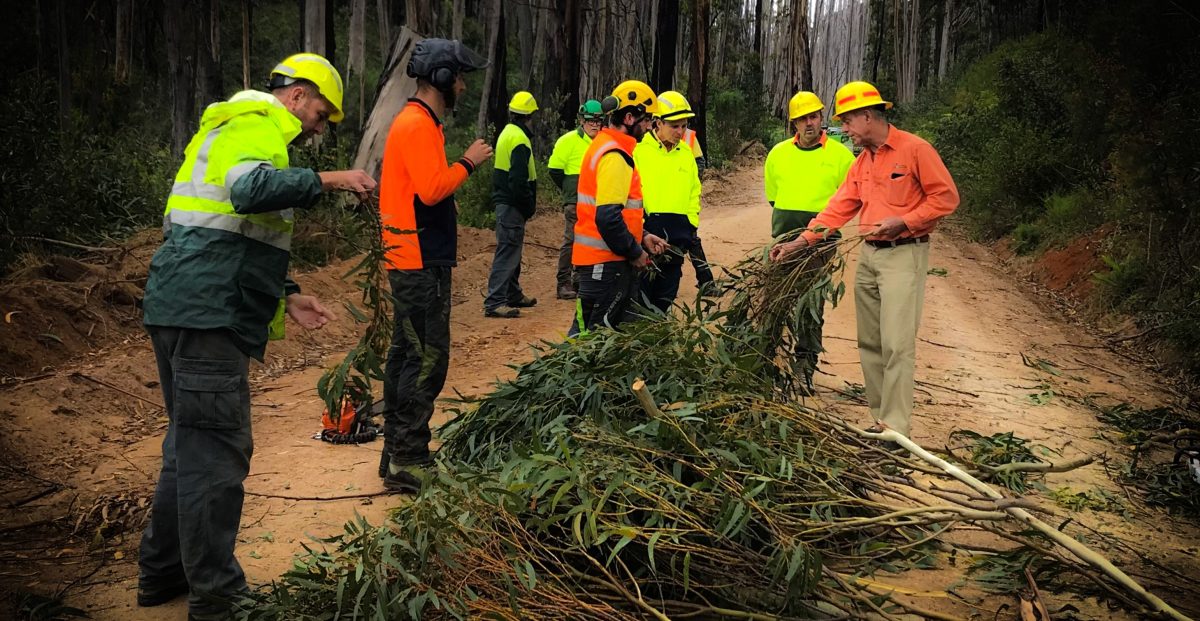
point(567, 293)
point(524, 302)
point(503, 312)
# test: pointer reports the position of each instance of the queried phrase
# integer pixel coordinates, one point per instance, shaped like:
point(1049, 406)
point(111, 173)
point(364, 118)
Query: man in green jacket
point(564, 166)
point(218, 289)
point(514, 193)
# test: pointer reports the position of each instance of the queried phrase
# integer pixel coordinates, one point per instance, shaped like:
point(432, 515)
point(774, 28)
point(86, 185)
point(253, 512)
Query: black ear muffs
point(609, 104)
point(442, 78)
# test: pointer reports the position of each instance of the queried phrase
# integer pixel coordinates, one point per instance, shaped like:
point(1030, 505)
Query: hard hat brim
point(675, 116)
point(806, 112)
point(887, 105)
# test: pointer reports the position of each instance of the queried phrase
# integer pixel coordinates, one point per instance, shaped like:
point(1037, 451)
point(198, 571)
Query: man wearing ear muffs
point(611, 244)
point(419, 216)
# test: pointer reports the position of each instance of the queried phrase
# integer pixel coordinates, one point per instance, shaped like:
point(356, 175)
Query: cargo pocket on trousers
point(208, 394)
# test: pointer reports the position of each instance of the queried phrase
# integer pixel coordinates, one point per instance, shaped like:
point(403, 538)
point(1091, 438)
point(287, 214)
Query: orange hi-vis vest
point(589, 247)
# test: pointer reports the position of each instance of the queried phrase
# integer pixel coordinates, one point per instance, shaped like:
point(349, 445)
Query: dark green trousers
point(417, 362)
point(206, 456)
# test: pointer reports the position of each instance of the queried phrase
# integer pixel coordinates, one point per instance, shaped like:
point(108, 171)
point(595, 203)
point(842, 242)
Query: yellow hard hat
point(856, 95)
point(803, 103)
point(315, 69)
point(523, 103)
point(672, 106)
point(634, 93)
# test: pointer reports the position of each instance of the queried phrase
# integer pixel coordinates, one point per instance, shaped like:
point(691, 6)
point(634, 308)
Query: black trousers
point(197, 506)
point(606, 292)
point(417, 362)
point(704, 275)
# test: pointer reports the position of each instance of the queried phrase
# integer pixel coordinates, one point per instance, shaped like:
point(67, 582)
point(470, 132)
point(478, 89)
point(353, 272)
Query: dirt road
point(978, 321)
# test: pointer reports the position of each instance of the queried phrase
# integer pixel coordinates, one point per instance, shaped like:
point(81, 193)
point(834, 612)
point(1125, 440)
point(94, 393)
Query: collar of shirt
point(894, 140)
point(820, 142)
point(428, 110)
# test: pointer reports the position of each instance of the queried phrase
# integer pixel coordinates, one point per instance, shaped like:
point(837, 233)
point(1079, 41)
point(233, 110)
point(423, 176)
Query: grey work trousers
point(504, 287)
point(566, 272)
point(197, 506)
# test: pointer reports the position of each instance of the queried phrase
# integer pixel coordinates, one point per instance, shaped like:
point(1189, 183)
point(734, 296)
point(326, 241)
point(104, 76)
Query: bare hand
point(890, 228)
point(654, 244)
point(641, 261)
point(781, 251)
point(307, 311)
point(356, 181)
point(479, 152)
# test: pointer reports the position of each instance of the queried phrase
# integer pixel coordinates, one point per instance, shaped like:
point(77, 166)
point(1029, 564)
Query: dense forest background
point(1060, 119)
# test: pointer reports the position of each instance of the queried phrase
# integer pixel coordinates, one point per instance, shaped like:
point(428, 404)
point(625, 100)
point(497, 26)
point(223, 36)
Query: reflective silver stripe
point(237, 171)
point(206, 191)
point(600, 153)
point(200, 167)
point(591, 242)
point(633, 203)
point(232, 224)
point(284, 69)
point(586, 199)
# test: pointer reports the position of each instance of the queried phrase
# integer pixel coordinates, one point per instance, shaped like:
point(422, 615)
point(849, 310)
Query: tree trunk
point(64, 68)
point(568, 68)
point(179, 26)
point(420, 17)
point(907, 20)
point(456, 19)
point(384, 22)
point(123, 51)
point(944, 47)
point(758, 24)
point(494, 72)
point(698, 69)
point(208, 54)
point(247, 9)
point(395, 87)
point(524, 20)
point(356, 54)
point(314, 26)
point(666, 31)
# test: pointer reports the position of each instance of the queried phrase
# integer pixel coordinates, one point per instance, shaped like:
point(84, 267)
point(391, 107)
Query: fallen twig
point(961, 392)
point(320, 498)
point(1027, 466)
point(118, 389)
point(1076, 548)
point(645, 398)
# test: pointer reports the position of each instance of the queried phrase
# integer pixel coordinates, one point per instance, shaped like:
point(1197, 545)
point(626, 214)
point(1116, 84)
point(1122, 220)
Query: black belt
point(883, 243)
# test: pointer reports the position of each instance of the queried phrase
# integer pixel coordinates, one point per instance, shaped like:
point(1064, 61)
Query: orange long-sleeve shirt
point(416, 191)
point(904, 177)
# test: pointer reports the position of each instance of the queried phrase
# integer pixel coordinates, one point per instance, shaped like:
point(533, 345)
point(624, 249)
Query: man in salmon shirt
point(419, 215)
point(899, 188)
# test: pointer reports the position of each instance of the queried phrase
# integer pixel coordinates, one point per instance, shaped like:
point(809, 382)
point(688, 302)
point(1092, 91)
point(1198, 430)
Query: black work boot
point(408, 479)
point(157, 594)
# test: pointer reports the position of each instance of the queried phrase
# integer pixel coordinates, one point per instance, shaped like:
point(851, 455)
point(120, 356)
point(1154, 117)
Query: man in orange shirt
point(416, 205)
point(899, 188)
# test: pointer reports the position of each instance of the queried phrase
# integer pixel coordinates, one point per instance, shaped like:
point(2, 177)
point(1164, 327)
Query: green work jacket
point(227, 228)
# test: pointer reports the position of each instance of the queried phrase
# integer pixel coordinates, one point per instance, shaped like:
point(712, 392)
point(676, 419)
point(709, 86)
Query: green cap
point(591, 109)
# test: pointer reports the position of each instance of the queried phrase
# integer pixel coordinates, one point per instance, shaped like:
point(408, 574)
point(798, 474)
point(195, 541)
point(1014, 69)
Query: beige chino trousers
point(889, 291)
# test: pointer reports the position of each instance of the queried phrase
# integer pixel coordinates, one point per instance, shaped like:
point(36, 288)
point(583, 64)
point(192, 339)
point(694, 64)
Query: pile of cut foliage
point(664, 471)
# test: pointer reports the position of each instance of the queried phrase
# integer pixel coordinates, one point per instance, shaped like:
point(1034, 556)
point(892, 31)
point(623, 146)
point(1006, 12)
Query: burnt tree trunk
point(179, 27)
point(568, 67)
point(666, 31)
point(247, 15)
point(698, 69)
point(208, 54)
